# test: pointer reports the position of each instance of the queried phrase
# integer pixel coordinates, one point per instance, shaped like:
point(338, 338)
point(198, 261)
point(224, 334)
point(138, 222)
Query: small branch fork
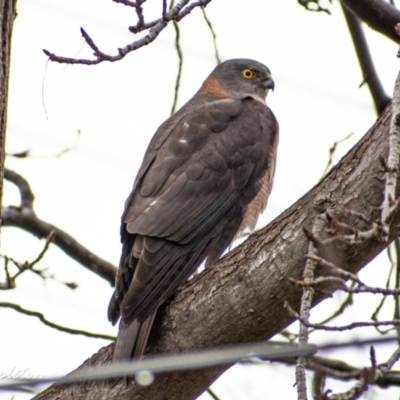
point(10, 282)
point(336, 369)
point(153, 28)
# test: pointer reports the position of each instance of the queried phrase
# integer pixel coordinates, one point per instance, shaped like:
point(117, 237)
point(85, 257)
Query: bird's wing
point(202, 169)
point(210, 160)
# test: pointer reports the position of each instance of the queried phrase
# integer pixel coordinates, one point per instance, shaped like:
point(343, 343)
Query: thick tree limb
point(180, 10)
point(27, 220)
point(240, 298)
point(378, 14)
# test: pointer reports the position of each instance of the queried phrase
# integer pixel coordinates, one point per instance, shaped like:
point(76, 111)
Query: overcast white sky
point(117, 107)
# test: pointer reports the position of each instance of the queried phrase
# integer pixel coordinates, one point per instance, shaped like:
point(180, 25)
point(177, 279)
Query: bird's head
point(241, 76)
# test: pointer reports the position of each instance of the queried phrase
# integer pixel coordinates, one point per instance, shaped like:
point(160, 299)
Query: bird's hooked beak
point(269, 84)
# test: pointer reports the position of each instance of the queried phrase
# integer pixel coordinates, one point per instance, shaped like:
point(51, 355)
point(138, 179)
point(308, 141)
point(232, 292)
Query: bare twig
point(340, 271)
point(179, 11)
point(45, 321)
point(336, 369)
point(26, 266)
point(128, 3)
point(180, 62)
point(368, 377)
point(342, 328)
point(375, 314)
point(212, 394)
point(332, 152)
point(306, 301)
point(336, 283)
point(348, 301)
point(214, 36)
point(397, 285)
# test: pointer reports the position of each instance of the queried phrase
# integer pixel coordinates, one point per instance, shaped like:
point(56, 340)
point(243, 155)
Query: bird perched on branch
point(205, 177)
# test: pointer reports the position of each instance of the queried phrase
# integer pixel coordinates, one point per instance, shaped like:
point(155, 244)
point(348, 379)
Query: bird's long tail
point(132, 339)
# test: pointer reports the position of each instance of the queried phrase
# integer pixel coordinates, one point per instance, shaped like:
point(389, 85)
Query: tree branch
point(306, 303)
point(378, 14)
point(176, 13)
point(53, 325)
point(25, 218)
point(340, 370)
point(381, 100)
point(240, 298)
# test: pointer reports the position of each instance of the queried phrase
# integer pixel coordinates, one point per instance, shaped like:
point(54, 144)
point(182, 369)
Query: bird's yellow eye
point(248, 73)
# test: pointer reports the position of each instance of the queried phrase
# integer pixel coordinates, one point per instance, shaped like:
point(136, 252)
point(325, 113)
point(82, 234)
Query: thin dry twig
point(397, 285)
point(154, 28)
point(337, 270)
point(26, 266)
point(180, 62)
point(306, 301)
point(332, 152)
point(375, 314)
point(368, 377)
point(213, 34)
point(45, 321)
point(342, 328)
point(348, 301)
point(212, 394)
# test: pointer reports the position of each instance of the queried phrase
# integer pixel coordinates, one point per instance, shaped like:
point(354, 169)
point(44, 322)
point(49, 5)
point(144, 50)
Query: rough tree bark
point(7, 16)
point(240, 298)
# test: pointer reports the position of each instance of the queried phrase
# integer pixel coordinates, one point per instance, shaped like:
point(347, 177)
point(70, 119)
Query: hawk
point(205, 177)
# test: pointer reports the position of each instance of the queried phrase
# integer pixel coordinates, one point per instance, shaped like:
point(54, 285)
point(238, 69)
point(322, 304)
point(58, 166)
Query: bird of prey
point(205, 177)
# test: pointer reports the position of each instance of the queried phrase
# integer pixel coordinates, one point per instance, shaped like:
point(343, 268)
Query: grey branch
point(368, 377)
point(25, 218)
point(340, 370)
point(154, 28)
point(53, 325)
point(306, 303)
point(240, 298)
